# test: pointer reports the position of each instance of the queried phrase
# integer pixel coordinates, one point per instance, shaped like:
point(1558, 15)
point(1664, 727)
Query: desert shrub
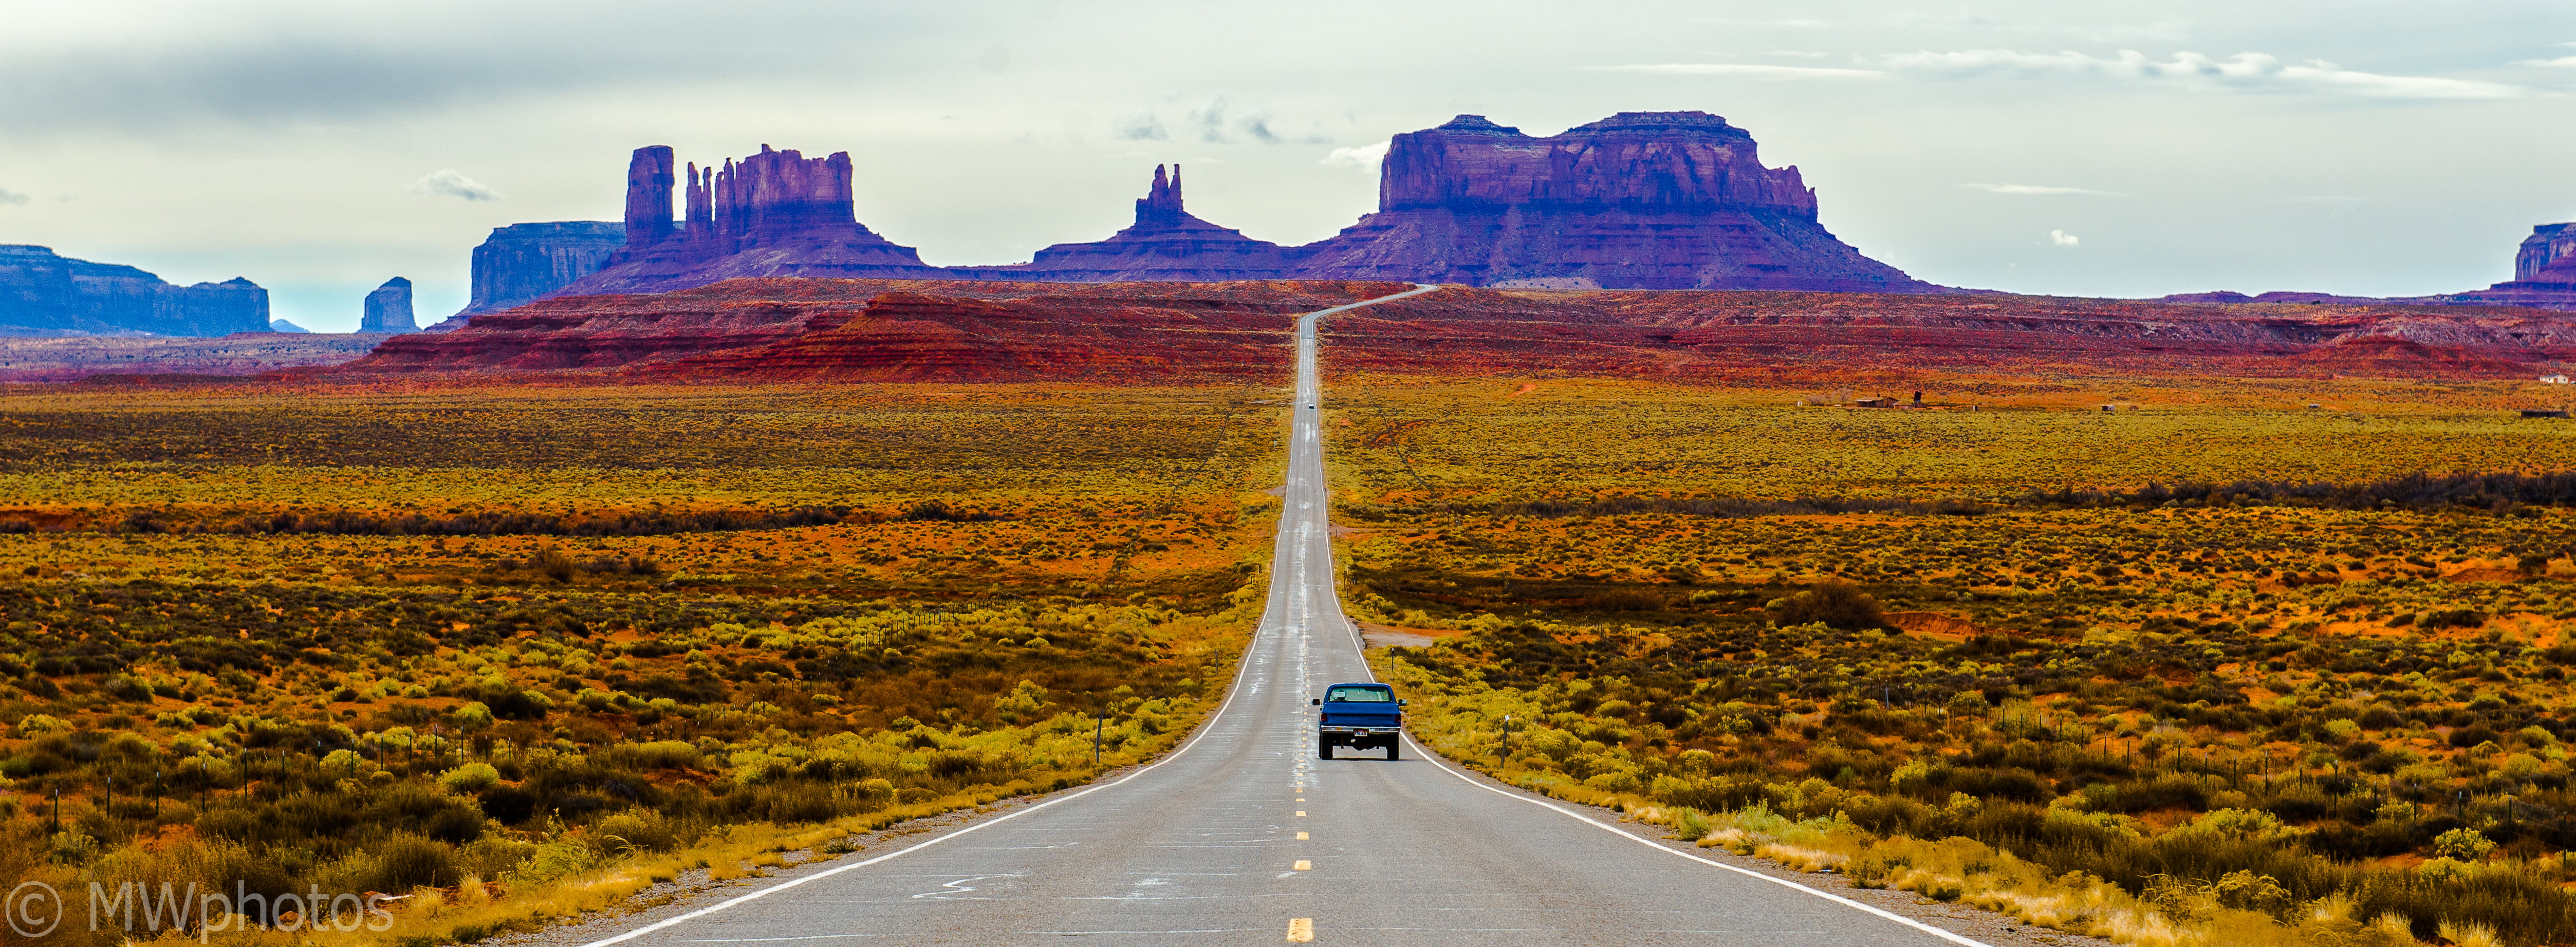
point(1690, 825)
point(1708, 795)
point(471, 777)
point(939, 511)
point(405, 861)
point(418, 808)
point(1628, 600)
point(642, 828)
point(658, 754)
point(2451, 618)
point(553, 563)
point(795, 801)
point(494, 857)
point(2465, 844)
point(1837, 605)
point(955, 765)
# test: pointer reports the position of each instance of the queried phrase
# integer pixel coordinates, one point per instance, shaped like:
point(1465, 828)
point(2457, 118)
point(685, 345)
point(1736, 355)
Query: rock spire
point(388, 309)
point(1161, 205)
point(648, 196)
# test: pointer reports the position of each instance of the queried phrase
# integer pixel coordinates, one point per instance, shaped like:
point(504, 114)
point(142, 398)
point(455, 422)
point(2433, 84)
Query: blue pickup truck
point(1359, 716)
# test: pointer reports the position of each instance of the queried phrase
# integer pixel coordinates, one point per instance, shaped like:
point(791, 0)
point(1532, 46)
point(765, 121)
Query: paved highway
point(1243, 836)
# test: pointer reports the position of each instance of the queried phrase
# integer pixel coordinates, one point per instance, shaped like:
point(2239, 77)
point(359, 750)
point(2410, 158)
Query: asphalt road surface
point(1243, 836)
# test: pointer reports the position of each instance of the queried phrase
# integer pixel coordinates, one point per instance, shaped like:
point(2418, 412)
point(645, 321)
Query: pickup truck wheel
point(1323, 750)
point(1391, 750)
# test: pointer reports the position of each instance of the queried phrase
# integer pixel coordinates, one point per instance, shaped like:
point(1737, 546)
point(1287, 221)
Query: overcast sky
point(2112, 149)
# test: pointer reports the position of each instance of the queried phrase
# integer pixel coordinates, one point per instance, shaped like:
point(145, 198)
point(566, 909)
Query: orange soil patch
point(2483, 574)
point(1936, 625)
point(1389, 636)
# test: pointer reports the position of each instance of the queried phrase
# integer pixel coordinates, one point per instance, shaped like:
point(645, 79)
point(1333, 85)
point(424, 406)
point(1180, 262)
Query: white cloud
point(2060, 238)
point(2167, 30)
point(1140, 125)
point(8, 196)
point(1211, 122)
point(1745, 70)
point(1364, 157)
point(448, 182)
point(2562, 62)
point(2247, 71)
point(2041, 189)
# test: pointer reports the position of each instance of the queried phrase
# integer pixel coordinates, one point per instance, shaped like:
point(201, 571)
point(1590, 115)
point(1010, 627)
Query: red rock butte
point(1639, 200)
point(1645, 200)
point(776, 213)
point(1165, 243)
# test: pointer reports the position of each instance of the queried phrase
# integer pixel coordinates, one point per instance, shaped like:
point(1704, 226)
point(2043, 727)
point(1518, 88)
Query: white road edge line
point(1435, 759)
point(1650, 843)
point(1307, 338)
point(1242, 665)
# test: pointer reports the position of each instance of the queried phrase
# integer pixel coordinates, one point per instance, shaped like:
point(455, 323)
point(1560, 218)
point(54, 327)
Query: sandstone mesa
point(1645, 200)
point(44, 293)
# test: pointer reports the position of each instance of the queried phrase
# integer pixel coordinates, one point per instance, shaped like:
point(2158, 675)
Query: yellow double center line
point(1301, 930)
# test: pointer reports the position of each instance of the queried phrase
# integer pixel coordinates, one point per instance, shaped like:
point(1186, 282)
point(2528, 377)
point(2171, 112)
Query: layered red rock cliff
point(44, 293)
point(2544, 272)
point(2544, 277)
point(856, 330)
point(1799, 335)
point(1649, 200)
point(1155, 332)
point(521, 263)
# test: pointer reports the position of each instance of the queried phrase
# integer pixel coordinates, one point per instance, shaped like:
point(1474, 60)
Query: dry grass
point(535, 719)
point(2127, 692)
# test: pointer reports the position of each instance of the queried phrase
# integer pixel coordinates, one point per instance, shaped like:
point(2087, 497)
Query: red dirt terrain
point(1794, 335)
point(791, 329)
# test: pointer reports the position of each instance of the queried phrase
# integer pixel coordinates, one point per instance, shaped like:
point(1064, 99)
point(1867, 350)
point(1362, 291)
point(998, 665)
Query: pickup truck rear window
point(1367, 695)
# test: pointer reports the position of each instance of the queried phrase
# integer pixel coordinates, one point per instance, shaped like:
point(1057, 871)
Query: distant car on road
point(1359, 716)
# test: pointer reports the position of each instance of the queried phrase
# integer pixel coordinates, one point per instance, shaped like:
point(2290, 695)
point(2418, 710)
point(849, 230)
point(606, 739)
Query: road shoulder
point(1971, 922)
point(694, 890)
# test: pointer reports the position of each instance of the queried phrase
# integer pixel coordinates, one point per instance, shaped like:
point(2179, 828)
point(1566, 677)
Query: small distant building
point(2544, 412)
point(1876, 402)
point(2553, 379)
